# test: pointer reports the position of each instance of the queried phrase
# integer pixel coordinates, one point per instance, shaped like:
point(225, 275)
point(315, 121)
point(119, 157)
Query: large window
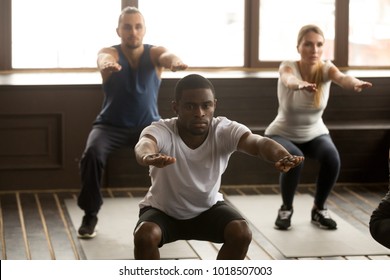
point(278, 28)
point(205, 33)
point(50, 34)
point(369, 32)
point(61, 34)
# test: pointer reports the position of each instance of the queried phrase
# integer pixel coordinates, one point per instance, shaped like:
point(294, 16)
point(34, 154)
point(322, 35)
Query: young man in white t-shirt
point(187, 156)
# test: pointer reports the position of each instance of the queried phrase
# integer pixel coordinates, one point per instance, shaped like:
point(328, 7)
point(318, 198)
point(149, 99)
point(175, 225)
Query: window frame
point(251, 37)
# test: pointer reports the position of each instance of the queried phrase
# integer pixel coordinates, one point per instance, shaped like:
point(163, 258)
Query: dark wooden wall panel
point(64, 111)
point(31, 141)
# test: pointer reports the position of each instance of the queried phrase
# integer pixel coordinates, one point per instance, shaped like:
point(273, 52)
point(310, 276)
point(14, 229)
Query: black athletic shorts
point(208, 226)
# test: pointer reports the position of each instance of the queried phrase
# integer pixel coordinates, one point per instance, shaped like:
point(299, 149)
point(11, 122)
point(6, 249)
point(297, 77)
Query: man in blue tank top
point(131, 75)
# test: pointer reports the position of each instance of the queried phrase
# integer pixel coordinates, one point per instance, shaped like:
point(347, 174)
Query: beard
point(133, 44)
point(198, 132)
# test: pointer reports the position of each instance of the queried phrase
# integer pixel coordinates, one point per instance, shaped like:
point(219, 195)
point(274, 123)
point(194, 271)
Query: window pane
point(369, 33)
point(203, 33)
point(62, 34)
point(279, 27)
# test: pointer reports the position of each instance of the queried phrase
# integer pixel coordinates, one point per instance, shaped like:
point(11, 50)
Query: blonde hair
point(318, 77)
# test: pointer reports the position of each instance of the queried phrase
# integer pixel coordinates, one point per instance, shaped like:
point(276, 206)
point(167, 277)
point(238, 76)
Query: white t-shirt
point(297, 119)
point(191, 185)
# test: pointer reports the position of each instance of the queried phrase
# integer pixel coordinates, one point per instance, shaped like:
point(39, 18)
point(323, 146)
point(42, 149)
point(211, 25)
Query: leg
point(147, 238)
point(323, 149)
point(380, 223)
point(289, 181)
point(288, 185)
point(237, 237)
point(220, 224)
point(380, 219)
point(102, 140)
point(154, 228)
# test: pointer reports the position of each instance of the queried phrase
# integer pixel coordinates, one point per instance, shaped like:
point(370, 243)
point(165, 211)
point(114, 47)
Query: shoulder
point(288, 63)
point(160, 129)
point(327, 64)
point(329, 69)
point(223, 123)
point(156, 50)
point(109, 50)
point(164, 123)
point(288, 67)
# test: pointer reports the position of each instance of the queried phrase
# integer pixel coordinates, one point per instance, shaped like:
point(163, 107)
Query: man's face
point(131, 30)
point(195, 111)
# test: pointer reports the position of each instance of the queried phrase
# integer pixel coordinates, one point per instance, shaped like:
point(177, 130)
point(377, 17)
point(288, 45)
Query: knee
point(332, 158)
point(380, 233)
point(147, 234)
point(92, 154)
point(238, 232)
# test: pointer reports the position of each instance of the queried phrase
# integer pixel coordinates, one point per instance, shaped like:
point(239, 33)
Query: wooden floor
point(35, 224)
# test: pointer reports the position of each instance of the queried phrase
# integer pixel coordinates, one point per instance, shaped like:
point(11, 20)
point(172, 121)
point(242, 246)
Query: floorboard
point(34, 224)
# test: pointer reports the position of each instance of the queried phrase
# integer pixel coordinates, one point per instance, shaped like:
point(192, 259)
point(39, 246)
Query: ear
point(174, 107)
point(117, 31)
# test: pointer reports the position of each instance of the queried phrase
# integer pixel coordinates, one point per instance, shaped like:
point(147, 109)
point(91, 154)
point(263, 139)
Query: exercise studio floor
point(37, 224)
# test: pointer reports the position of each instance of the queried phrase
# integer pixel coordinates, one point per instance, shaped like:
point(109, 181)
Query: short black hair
point(192, 81)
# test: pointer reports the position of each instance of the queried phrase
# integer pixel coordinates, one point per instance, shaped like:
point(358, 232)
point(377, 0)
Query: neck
point(307, 71)
point(192, 141)
point(133, 54)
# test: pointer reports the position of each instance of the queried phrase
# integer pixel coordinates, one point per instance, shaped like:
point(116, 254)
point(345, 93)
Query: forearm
point(271, 150)
point(349, 82)
point(103, 59)
point(169, 60)
point(292, 82)
point(144, 148)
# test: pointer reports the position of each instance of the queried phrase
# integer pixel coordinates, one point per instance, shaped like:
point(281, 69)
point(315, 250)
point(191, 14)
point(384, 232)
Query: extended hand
point(158, 160)
point(110, 67)
point(288, 162)
point(362, 85)
point(307, 86)
point(177, 66)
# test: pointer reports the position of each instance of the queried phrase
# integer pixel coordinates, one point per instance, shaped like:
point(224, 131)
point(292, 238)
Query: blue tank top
point(130, 95)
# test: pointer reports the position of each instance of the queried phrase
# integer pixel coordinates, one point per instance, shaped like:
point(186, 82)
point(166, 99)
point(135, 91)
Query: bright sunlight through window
point(62, 34)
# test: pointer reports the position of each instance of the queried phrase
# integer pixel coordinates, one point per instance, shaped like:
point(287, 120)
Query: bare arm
point(146, 153)
point(268, 150)
point(107, 62)
point(163, 58)
point(292, 82)
point(347, 81)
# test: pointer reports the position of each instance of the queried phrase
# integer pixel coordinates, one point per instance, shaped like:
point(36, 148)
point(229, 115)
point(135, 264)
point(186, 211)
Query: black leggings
point(321, 149)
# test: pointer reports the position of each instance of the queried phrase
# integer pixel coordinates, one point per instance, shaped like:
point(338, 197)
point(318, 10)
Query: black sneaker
point(87, 228)
point(322, 219)
point(283, 221)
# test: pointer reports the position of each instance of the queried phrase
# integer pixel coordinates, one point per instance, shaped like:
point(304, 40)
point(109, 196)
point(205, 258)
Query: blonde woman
point(303, 92)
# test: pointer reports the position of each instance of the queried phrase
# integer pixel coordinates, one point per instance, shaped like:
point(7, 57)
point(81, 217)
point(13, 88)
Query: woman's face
point(311, 48)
